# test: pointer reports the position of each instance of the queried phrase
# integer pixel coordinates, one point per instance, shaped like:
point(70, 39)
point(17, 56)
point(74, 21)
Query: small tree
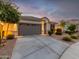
point(8, 13)
point(71, 28)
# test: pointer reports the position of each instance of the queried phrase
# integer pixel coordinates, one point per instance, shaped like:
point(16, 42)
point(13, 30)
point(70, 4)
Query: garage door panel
point(29, 29)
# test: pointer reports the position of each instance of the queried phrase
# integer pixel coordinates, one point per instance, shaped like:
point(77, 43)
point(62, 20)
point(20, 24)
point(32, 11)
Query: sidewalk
point(72, 52)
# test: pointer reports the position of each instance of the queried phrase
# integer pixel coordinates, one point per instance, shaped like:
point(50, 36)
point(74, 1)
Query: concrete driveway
point(38, 47)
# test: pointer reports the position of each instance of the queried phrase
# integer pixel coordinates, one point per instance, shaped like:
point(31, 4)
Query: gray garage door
point(29, 29)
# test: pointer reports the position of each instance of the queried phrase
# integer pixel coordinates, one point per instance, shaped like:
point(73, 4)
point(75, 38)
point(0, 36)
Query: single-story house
point(27, 25)
point(32, 25)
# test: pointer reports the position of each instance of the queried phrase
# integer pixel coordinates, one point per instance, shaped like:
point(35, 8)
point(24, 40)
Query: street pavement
point(72, 52)
point(38, 47)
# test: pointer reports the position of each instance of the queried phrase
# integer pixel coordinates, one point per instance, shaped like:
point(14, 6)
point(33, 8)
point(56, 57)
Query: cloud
point(53, 9)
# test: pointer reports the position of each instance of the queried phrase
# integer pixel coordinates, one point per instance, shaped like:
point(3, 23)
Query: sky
point(55, 10)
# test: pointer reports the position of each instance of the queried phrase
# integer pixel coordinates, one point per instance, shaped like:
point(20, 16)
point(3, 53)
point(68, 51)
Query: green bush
point(74, 37)
point(59, 31)
point(67, 38)
point(71, 29)
point(50, 33)
point(52, 30)
point(10, 37)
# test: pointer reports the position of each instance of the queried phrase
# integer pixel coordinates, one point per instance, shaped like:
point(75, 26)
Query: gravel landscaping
point(6, 51)
point(60, 37)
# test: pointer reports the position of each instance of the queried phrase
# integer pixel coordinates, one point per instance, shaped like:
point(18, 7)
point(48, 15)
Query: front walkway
point(38, 47)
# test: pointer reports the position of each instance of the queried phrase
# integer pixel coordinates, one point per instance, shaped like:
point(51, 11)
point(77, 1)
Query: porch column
point(47, 27)
point(42, 27)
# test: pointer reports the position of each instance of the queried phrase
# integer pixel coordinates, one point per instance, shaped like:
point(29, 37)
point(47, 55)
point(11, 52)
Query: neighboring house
point(58, 26)
point(73, 21)
point(67, 23)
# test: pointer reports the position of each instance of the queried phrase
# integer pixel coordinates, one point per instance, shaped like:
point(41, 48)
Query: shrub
point(59, 31)
point(71, 29)
point(74, 37)
point(67, 38)
point(50, 33)
point(52, 30)
point(10, 37)
point(68, 32)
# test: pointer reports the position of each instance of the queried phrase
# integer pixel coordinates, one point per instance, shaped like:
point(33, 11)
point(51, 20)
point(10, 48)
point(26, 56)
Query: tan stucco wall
point(12, 29)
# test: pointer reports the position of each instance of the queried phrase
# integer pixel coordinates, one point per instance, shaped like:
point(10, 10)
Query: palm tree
point(9, 14)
